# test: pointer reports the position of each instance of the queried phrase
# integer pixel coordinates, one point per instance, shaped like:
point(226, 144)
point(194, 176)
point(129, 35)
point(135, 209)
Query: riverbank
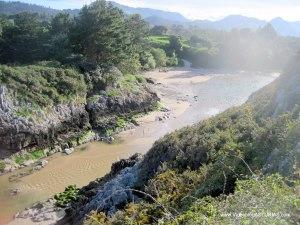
point(188, 95)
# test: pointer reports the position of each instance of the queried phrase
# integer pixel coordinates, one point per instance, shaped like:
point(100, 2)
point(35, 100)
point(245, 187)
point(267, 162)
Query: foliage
point(22, 41)
point(173, 60)
point(33, 155)
point(43, 86)
point(159, 30)
point(70, 194)
point(121, 122)
point(147, 60)
point(2, 166)
point(159, 56)
point(127, 84)
point(100, 34)
point(268, 201)
point(159, 41)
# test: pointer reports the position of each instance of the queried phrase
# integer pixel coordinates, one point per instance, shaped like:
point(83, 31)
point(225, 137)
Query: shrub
point(268, 200)
point(173, 60)
point(70, 194)
point(42, 86)
point(34, 155)
point(147, 61)
point(159, 56)
point(2, 166)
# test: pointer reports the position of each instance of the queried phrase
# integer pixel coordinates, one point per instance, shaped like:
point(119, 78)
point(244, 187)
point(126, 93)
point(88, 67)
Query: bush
point(147, 61)
point(70, 194)
point(131, 65)
point(268, 200)
point(173, 60)
point(2, 166)
point(43, 86)
point(159, 56)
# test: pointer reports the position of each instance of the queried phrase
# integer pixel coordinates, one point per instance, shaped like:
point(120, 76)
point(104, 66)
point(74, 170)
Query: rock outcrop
point(58, 124)
point(43, 129)
point(106, 194)
point(104, 109)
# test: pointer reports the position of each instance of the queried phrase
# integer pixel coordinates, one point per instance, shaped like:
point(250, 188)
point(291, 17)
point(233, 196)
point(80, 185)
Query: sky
point(202, 9)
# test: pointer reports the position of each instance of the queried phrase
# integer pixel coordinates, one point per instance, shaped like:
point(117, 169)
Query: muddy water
point(191, 95)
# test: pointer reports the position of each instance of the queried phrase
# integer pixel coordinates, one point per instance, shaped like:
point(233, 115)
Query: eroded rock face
point(54, 126)
point(108, 193)
point(43, 129)
point(105, 109)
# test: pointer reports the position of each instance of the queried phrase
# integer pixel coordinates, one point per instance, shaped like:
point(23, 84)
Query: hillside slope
point(198, 174)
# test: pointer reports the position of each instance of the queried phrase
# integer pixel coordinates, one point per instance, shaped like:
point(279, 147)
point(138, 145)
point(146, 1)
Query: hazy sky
point(202, 9)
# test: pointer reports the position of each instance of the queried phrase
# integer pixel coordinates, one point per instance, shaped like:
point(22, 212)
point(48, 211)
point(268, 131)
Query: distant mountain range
point(160, 17)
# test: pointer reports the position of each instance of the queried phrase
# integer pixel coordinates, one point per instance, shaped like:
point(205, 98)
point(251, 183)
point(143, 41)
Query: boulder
point(69, 151)
point(42, 163)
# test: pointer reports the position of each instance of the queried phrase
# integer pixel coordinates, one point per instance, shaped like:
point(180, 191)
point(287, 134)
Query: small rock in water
point(69, 151)
point(15, 192)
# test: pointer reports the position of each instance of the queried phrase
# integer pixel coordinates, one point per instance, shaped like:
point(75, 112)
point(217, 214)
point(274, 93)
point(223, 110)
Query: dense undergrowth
point(43, 86)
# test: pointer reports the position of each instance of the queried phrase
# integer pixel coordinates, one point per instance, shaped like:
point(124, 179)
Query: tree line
point(101, 34)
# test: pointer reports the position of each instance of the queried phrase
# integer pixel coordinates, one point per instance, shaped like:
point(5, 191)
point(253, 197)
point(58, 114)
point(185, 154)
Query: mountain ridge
point(161, 17)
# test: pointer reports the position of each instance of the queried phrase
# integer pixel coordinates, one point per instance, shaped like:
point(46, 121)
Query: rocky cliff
point(25, 124)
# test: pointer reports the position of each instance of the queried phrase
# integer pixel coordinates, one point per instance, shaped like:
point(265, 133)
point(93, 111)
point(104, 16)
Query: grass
point(127, 84)
point(160, 40)
point(34, 155)
point(41, 86)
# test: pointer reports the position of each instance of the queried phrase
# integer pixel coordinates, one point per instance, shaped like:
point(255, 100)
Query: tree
point(176, 45)
point(58, 45)
point(160, 57)
point(22, 40)
point(159, 30)
point(100, 34)
point(61, 23)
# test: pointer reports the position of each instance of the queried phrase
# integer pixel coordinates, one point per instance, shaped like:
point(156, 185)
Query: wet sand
point(190, 95)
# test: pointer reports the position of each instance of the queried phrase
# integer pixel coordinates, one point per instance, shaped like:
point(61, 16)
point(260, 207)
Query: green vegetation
point(159, 56)
point(42, 86)
point(2, 166)
point(245, 160)
point(268, 200)
point(127, 84)
point(70, 194)
point(160, 41)
point(88, 135)
point(121, 122)
point(34, 155)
